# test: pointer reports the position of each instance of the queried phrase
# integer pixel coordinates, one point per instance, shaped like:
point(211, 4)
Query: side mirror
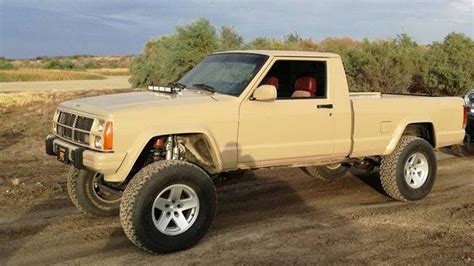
point(266, 93)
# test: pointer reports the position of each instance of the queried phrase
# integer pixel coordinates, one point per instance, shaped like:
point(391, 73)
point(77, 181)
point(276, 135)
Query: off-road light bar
point(160, 89)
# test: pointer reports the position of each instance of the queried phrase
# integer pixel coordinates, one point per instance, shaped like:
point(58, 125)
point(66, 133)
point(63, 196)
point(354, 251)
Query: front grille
point(74, 127)
point(84, 123)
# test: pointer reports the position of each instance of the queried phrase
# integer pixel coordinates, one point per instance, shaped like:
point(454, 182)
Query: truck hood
point(106, 105)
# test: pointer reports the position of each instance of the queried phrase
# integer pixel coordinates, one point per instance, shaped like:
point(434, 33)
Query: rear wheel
point(409, 172)
point(168, 206)
point(90, 194)
point(327, 172)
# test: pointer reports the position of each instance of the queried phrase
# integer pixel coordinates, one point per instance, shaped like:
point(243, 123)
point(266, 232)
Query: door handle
point(325, 106)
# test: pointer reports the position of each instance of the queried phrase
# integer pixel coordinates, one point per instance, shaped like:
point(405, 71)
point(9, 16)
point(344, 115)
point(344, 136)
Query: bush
point(5, 64)
point(397, 65)
point(90, 65)
point(59, 64)
point(448, 67)
point(167, 58)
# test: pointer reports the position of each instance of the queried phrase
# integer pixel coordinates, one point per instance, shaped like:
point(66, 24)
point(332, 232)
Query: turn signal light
point(108, 137)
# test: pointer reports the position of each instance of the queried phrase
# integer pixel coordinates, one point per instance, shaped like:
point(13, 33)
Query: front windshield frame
point(259, 65)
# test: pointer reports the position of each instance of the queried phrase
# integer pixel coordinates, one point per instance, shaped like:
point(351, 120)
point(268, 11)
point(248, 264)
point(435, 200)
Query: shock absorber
point(169, 148)
point(175, 148)
point(172, 148)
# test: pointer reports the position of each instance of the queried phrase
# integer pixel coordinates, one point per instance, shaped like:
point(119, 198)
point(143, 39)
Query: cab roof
point(282, 53)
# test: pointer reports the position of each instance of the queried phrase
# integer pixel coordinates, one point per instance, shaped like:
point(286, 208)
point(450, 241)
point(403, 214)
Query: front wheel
point(168, 206)
point(409, 172)
point(91, 194)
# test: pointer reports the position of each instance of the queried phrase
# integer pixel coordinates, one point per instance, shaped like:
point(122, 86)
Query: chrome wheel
point(103, 192)
point(416, 170)
point(175, 209)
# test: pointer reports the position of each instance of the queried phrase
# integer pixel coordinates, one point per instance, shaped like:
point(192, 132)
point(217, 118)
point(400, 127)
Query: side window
point(298, 79)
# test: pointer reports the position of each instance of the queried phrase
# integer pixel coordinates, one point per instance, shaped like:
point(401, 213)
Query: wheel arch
point(199, 143)
point(422, 129)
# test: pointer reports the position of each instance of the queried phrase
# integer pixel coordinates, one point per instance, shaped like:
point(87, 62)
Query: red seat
point(305, 87)
point(272, 81)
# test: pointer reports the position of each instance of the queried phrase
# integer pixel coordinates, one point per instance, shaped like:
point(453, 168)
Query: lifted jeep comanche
point(151, 156)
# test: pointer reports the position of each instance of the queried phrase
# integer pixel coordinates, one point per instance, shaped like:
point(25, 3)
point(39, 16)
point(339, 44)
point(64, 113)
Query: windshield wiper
point(206, 87)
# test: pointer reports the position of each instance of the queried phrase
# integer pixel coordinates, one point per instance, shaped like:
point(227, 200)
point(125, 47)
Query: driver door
point(285, 131)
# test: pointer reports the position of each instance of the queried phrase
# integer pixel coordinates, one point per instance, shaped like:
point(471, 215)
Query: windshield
point(224, 73)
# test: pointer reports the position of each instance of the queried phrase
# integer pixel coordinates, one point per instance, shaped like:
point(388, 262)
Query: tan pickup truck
point(151, 155)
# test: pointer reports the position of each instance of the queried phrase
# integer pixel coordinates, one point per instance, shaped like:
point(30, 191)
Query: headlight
point(98, 142)
point(104, 140)
point(100, 128)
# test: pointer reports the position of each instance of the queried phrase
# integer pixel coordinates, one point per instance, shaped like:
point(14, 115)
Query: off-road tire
point(325, 172)
point(392, 169)
point(79, 187)
point(462, 150)
point(138, 198)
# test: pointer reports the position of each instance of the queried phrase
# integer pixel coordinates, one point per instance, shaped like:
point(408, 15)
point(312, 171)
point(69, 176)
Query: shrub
point(230, 39)
point(448, 67)
point(59, 64)
point(5, 64)
point(90, 65)
point(165, 59)
point(397, 65)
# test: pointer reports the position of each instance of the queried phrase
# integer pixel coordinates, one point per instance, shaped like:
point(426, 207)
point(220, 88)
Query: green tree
point(230, 39)
point(397, 65)
point(448, 68)
point(385, 66)
point(167, 58)
point(292, 38)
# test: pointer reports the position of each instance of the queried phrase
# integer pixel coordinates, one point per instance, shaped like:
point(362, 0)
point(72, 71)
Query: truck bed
point(380, 119)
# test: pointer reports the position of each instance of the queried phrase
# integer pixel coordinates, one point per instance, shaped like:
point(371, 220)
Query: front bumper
point(83, 158)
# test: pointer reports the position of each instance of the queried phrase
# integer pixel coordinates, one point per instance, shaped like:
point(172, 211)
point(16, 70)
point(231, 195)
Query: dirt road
point(111, 82)
point(268, 216)
point(271, 216)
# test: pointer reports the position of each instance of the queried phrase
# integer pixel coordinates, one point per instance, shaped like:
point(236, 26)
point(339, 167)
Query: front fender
point(144, 137)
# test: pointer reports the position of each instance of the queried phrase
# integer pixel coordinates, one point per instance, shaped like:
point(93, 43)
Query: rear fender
point(400, 130)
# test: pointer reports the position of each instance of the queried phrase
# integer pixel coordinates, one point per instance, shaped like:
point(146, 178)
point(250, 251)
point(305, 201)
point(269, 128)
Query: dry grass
point(110, 71)
point(30, 74)
point(20, 99)
point(25, 98)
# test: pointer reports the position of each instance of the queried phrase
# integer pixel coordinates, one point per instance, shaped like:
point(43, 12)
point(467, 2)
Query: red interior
point(306, 84)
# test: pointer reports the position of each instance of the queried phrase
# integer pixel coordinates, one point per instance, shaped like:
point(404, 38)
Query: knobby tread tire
point(81, 199)
point(71, 189)
point(389, 165)
point(133, 190)
point(321, 173)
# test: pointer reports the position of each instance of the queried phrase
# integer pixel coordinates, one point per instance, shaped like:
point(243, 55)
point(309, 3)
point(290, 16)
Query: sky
point(31, 28)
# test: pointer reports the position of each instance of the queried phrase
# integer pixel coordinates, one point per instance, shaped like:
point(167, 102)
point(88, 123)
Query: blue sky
point(30, 28)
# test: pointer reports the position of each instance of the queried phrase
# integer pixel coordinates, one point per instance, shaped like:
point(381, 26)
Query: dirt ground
point(267, 216)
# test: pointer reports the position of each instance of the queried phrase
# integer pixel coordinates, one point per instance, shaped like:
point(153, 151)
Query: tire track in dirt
point(278, 216)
